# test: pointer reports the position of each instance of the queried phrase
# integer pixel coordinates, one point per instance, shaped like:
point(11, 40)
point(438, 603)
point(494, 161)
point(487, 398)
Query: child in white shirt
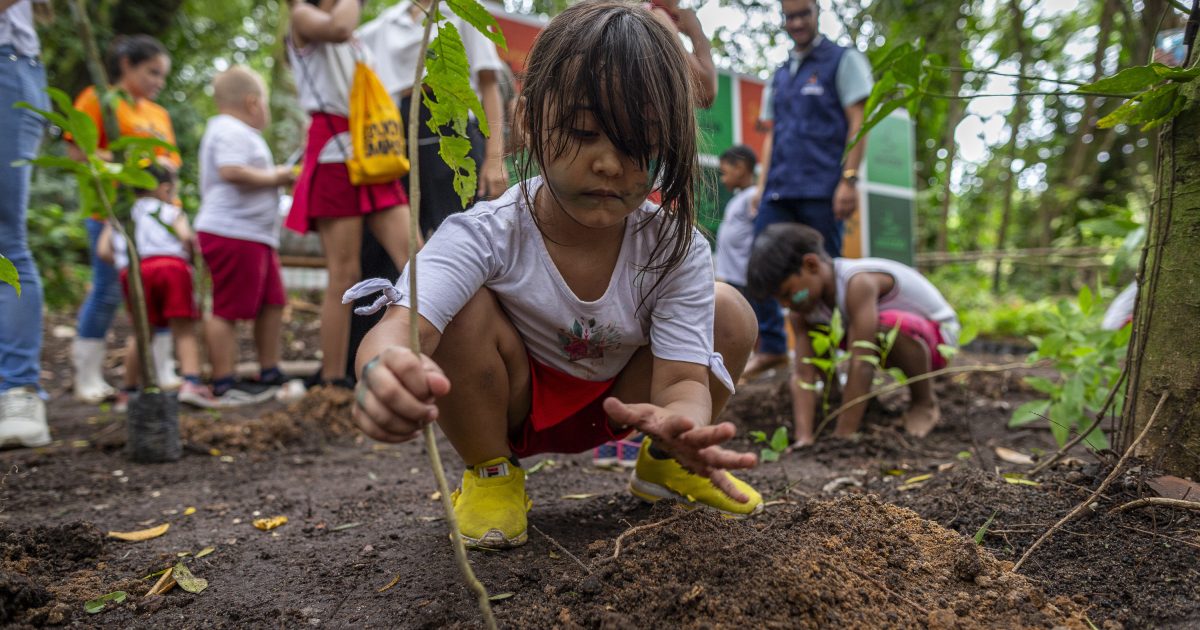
point(571, 311)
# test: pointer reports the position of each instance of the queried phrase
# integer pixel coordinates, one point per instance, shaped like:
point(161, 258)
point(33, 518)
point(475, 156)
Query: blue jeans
point(21, 79)
point(102, 302)
point(815, 213)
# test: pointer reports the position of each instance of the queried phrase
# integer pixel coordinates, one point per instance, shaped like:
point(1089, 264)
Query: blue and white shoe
point(605, 455)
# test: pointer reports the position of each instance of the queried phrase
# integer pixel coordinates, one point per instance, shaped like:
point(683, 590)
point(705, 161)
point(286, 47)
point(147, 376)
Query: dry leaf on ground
point(187, 581)
point(266, 524)
point(141, 534)
point(1013, 457)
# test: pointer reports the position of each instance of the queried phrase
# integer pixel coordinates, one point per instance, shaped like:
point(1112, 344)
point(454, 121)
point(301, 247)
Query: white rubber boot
point(88, 356)
point(163, 348)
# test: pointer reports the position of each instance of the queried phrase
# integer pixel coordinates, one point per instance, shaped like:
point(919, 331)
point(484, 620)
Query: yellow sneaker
point(491, 505)
point(656, 479)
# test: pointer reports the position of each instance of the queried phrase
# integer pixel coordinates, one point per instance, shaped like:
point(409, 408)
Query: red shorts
point(917, 327)
point(167, 283)
point(246, 276)
point(324, 191)
point(566, 414)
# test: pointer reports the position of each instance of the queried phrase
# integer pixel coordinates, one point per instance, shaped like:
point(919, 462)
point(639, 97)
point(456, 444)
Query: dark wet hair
point(779, 252)
point(618, 61)
point(740, 153)
point(135, 49)
point(161, 174)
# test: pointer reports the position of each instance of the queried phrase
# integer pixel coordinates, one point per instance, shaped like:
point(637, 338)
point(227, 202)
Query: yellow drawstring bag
point(378, 153)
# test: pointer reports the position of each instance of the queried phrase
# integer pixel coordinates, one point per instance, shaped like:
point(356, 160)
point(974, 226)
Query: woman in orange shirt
point(139, 65)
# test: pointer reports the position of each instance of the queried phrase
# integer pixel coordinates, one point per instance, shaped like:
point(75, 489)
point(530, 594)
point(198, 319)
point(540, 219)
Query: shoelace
point(21, 404)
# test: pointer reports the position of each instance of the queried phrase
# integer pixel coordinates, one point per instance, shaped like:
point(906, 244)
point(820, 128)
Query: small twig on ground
point(165, 583)
point(1098, 491)
point(1112, 393)
point(1159, 501)
point(562, 549)
point(891, 387)
point(642, 528)
point(1172, 538)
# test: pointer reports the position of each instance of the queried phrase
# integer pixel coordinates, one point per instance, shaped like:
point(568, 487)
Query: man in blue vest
point(813, 106)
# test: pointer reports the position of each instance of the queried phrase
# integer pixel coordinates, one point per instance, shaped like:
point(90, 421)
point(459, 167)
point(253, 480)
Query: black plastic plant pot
point(153, 428)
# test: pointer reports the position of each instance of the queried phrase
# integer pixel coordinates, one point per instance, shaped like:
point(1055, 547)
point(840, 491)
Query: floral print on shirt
point(585, 340)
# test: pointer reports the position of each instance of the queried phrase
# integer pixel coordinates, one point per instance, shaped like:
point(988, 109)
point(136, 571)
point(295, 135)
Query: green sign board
point(890, 232)
point(716, 123)
point(890, 152)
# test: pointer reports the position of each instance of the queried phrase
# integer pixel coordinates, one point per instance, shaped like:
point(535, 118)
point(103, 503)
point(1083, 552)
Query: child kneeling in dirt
point(571, 311)
point(166, 281)
point(873, 295)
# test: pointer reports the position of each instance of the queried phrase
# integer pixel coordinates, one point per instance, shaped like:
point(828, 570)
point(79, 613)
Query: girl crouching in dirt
point(571, 311)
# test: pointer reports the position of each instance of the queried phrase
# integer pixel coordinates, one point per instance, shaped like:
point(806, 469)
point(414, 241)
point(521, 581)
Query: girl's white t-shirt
point(911, 293)
point(498, 245)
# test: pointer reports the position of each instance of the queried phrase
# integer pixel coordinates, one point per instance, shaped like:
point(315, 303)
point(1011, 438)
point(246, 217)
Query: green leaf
point(9, 275)
point(59, 162)
point(836, 329)
point(1096, 440)
point(947, 351)
point(448, 75)
point(821, 364)
point(1028, 412)
point(499, 597)
point(759, 436)
point(1060, 427)
point(1126, 82)
point(1042, 384)
point(982, 531)
point(898, 375)
point(768, 455)
point(963, 455)
point(150, 145)
point(455, 152)
point(474, 13)
point(134, 177)
point(863, 343)
point(187, 581)
point(820, 344)
point(779, 441)
point(93, 606)
point(55, 118)
point(1086, 299)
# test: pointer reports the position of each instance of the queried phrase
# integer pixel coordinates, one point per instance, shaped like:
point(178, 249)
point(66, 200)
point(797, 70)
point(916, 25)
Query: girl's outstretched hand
point(696, 448)
point(395, 398)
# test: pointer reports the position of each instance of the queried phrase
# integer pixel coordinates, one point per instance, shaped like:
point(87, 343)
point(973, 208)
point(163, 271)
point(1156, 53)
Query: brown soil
point(361, 517)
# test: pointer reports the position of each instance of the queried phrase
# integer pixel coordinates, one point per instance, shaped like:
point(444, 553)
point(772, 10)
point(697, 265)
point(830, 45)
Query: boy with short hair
point(873, 295)
point(166, 270)
point(238, 227)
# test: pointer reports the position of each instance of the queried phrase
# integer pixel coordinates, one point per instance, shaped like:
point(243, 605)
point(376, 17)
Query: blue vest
point(809, 129)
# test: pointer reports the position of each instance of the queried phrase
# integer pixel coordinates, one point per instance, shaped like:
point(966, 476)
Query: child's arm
point(244, 175)
point(804, 376)
point(862, 307)
point(679, 417)
point(397, 387)
point(104, 244)
point(183, 231)
point(315, 25)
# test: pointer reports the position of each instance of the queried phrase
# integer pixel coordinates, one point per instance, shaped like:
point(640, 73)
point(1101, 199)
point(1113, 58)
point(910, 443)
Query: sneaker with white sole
point(655, 479)
point(23, 418)
point(244, 393)
point(197, 395)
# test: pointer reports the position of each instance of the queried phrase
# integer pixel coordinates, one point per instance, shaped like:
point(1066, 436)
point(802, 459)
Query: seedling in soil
point(983, 530)
point(829, 357)
point(773, 447)
point(94, 606)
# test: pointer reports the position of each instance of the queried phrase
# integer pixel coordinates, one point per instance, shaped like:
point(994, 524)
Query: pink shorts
point(566, 414)
point(246, 276)
point(324, 191)
point(919, 328)
point(167, 283)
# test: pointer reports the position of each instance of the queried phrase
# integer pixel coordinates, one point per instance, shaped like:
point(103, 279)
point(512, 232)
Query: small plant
point(828, 355)
point(1088, 359)
point(8, 274)
point(773, 447)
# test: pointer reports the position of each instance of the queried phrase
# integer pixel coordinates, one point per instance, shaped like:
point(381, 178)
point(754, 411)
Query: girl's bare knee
point(735, 326)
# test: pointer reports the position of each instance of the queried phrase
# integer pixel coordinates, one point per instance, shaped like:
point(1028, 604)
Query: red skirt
point(324, 191)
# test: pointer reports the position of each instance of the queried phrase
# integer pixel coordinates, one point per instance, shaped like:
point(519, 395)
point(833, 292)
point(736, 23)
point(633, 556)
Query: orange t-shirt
point(145, 119)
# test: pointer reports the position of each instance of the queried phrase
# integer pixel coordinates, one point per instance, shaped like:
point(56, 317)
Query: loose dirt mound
point(1161, 586)
point(37, 569)
point(323, 414)
point(849, 562)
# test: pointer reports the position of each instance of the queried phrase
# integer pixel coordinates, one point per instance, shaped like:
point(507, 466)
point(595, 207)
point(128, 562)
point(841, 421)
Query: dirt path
point(361, 515)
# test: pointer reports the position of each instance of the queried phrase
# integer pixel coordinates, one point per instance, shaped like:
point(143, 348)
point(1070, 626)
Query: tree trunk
point(953, 117)
point(1162, 357)
point(1014, 125)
